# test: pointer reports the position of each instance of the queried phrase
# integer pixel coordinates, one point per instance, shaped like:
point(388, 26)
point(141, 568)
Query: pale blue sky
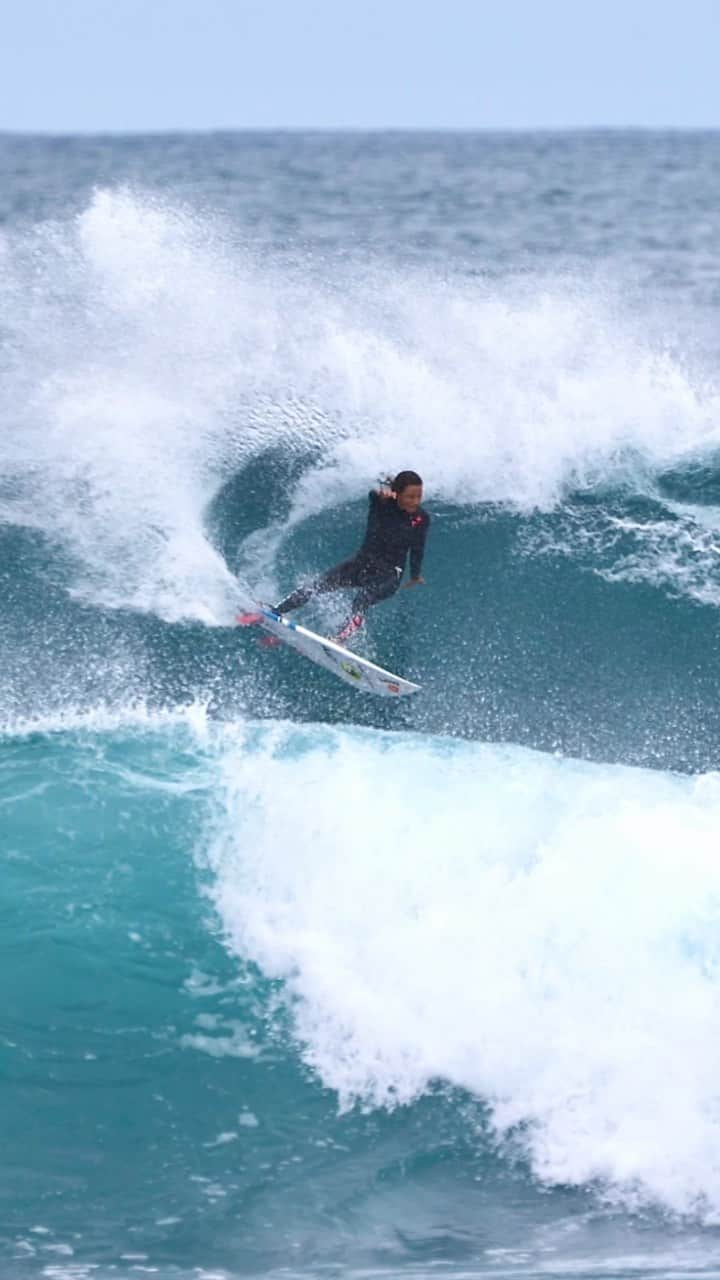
point(94, 65)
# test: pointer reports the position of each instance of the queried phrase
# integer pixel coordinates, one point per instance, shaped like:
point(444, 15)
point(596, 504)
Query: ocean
point(295, 982)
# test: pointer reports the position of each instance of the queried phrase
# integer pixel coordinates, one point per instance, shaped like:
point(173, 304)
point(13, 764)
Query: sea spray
point(149, 357)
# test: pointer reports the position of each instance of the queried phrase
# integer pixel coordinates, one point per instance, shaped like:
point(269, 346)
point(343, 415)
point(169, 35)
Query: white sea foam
point(106, 719)
point(150, 358)
point(537, 930)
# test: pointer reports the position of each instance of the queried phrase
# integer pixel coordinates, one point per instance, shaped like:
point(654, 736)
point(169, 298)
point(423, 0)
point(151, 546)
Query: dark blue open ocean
point(302, 984)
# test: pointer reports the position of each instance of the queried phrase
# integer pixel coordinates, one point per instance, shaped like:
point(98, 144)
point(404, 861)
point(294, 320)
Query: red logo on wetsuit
point(416, 520)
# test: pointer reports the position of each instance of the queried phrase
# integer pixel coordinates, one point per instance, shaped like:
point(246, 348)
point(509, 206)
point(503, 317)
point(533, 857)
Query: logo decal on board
point(392, 688)
point(350, 670)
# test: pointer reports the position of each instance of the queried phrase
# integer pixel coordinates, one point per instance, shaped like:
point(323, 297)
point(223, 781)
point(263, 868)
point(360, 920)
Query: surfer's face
point(410, 498)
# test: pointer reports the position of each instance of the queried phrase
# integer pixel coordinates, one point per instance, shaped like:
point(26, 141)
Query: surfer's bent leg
point(346, 574)
point(378, 587)
point(373, 590)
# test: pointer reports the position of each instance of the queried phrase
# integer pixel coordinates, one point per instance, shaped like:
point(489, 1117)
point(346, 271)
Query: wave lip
point(536, 930)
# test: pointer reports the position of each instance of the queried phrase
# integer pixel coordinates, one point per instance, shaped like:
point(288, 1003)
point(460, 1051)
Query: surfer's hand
point(386, 494)
point(414, 582)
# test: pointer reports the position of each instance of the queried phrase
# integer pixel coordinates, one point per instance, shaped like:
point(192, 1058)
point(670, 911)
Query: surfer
point(396, 525)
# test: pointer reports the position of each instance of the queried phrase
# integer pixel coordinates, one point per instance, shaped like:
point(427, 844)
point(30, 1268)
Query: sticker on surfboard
point(350, 667)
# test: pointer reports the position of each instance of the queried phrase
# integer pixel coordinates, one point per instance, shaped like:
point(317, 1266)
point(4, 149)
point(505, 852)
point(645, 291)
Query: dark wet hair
point(404, 479)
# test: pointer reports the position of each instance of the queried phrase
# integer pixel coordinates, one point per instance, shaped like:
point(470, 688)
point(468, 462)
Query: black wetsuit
point(378, 566)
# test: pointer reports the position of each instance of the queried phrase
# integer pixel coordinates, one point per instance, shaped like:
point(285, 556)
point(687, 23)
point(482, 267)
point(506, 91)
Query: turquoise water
point(296, 982)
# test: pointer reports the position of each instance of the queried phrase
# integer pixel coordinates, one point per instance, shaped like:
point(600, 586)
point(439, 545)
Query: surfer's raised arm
point(385, 491)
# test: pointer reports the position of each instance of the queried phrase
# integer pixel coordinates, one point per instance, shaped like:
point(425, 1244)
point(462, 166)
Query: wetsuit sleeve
point(417, 548)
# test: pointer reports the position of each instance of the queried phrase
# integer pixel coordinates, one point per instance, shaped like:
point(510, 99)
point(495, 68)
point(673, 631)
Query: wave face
point(297, 981)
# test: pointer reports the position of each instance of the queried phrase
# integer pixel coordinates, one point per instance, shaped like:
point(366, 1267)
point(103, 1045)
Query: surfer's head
point(408, 489)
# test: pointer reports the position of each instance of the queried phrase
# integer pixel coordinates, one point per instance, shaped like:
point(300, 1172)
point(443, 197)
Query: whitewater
point(296, 982)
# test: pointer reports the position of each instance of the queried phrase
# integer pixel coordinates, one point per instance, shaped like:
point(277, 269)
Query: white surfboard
point(359, 672)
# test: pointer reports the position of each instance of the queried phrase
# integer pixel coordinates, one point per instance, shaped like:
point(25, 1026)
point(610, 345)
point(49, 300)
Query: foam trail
point(539, 931)
point(675, 547)
point(149, 359)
